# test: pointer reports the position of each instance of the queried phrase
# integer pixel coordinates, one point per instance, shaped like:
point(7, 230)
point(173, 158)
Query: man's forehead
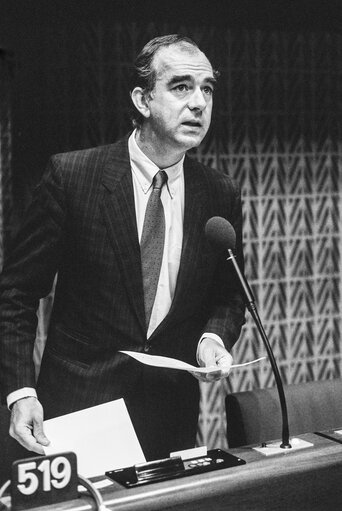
point(177, 60)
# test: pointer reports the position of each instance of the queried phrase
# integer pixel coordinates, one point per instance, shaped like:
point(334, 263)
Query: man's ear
point(140, 101)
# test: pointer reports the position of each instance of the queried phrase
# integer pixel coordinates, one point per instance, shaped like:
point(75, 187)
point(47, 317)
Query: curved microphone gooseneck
point(221, 234)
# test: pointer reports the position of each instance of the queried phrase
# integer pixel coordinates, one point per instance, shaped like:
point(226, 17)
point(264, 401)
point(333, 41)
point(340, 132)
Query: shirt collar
point(144, 169)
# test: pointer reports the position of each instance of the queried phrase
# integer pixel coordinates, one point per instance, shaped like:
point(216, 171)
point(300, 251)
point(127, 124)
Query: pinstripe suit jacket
point(81, 224)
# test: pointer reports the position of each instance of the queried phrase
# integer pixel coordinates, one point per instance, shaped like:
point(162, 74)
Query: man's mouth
point(192, 124)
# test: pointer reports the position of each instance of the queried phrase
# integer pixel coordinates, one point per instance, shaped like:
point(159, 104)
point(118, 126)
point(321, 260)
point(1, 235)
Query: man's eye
point(208, 90)
point(182, 87)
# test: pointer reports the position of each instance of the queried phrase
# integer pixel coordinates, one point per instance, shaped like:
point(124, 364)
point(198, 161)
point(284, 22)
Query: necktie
point(152, 243)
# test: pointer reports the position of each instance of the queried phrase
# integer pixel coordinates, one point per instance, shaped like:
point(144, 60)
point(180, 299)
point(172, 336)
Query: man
point(87, 223)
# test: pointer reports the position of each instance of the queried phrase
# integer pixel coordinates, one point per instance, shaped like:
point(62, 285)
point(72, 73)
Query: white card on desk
point(102, 437)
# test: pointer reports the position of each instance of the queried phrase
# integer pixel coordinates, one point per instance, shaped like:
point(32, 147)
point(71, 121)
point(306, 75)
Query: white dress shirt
point(172, 197)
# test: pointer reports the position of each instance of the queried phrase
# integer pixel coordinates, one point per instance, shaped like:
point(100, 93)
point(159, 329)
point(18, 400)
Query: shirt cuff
point(212, 336)
point(20, 394)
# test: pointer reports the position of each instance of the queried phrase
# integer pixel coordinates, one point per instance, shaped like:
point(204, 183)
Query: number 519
point(55, 472)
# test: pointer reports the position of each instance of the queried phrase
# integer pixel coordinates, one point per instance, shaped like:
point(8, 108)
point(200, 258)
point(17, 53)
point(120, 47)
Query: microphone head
point(220, 233)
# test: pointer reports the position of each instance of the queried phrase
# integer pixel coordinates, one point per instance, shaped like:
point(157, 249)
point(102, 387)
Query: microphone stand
point(253, 310)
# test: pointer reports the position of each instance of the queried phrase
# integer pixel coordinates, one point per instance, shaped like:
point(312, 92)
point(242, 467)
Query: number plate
point(44, 480)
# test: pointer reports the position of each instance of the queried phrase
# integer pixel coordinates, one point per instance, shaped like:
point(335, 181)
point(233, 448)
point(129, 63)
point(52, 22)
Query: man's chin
point(190, 140)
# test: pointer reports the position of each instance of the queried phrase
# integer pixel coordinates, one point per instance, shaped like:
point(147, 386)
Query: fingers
point(38, 432)
point(212, 354)
point(211, 375)
point(209, 356)
point(225, 363)
point(27, 424)
point(24, 436)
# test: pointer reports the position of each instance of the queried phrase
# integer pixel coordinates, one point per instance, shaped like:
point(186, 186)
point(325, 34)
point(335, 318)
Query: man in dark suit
point(85, 224)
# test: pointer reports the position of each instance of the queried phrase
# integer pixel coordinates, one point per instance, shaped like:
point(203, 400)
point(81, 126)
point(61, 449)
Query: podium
point(308, 479)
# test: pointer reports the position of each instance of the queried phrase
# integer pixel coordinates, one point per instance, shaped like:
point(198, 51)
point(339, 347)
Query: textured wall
point(279, 135)
point(277, 130)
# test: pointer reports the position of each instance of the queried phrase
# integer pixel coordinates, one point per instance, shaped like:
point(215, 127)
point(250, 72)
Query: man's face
point(180, 105)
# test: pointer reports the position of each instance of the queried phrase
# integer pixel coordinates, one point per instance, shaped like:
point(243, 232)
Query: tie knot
point(159, 180)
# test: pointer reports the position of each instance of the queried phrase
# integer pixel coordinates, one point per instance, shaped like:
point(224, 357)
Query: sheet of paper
point(173, 363)
point(102, 437)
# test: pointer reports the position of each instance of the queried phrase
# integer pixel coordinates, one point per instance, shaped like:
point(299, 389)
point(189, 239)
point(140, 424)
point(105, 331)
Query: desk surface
point(308, 479)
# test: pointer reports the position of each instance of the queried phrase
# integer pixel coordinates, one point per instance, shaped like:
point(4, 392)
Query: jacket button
point(147, 348)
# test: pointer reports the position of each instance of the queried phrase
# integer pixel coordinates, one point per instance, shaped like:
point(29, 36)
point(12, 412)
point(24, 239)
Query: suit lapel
point(194, 210)
point(119, 213)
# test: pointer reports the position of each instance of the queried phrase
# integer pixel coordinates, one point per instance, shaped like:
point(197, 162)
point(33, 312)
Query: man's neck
point(159, 153)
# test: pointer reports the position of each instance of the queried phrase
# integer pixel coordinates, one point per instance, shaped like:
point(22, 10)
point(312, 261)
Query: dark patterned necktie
point(152, 243)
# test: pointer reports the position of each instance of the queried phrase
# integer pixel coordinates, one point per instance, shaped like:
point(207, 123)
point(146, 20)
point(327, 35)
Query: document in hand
point(102, 437)
point(173, 363)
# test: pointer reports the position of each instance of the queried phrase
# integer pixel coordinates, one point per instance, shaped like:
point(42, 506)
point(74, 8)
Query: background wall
point(6, 196)
point(276, 129)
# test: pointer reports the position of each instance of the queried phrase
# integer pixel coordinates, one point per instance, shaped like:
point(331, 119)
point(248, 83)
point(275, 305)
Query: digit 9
point(60, 471)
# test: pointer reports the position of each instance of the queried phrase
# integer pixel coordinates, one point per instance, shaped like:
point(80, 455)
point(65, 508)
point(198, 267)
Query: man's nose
point(197, 101)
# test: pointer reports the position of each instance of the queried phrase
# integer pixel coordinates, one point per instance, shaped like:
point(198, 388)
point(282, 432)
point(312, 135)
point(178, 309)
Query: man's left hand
point(212, 354)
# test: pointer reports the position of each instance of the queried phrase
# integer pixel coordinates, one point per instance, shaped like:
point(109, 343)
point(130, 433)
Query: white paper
point(102, 437)
point(188, 454)
point(173, 363)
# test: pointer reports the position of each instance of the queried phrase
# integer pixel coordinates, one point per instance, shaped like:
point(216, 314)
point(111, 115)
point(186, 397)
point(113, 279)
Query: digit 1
point(44, 467)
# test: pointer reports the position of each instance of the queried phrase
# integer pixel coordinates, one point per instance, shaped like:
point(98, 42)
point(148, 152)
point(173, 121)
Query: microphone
point(221, 234)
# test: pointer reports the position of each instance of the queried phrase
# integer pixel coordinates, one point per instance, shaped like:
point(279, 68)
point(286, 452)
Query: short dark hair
point(143, 73)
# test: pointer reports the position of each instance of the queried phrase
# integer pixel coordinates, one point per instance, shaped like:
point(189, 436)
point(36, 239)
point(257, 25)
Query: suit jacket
point(82, 224)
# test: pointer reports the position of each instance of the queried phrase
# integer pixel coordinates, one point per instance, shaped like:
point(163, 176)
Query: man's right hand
point(27, 424)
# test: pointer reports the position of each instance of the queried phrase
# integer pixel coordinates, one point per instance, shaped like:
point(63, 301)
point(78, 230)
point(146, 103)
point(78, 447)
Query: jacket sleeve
point(27, 276)
point(227, 302)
